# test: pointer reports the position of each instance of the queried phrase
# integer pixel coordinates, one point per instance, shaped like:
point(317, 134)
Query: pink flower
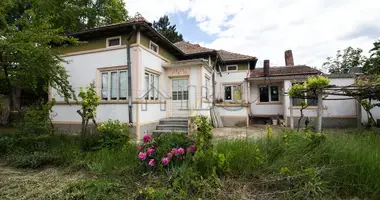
point(147, 138)
point(191, 148)
point(174, 151)
point(165, 161)
point(180, 151)
point(142, 155)
point(139, 148)
point(169, 155)
point(150, 151)
point(151, 162)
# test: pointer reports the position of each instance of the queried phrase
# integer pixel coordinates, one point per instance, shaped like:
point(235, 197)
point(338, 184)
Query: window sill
point(269, 103)
point(308, 108)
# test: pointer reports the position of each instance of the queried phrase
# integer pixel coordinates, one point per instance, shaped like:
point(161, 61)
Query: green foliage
point(89, 103)
point(344, 61)
point(297, 90)
point(317, 82)
point(113, 134)
point(169, 31)
point(372, 66)
point(36, 119)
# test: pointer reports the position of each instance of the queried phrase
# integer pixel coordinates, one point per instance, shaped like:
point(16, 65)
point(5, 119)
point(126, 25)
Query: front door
point(180, 97)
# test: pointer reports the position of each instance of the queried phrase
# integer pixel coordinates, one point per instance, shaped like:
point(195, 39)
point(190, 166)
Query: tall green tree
point(372, 66)
point(28, 59)
point(71, 15)
point(169, 31)
point(345, 60)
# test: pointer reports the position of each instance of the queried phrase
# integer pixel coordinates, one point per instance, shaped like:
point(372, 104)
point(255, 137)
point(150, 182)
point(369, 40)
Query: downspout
point(129, 64)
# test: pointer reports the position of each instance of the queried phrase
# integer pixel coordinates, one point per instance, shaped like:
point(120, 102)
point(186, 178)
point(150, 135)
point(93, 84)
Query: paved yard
point(243, 132)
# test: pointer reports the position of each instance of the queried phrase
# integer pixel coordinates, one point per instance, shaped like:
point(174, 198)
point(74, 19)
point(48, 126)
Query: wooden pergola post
point(319, 111)
point(291, 113)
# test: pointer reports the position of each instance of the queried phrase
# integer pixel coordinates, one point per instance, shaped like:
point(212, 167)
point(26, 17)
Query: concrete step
point(171, 127)
point(159, 132)
point(177, 120)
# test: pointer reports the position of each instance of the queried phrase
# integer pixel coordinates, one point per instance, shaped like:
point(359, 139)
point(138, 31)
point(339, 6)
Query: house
point(145, 80)
point(268, 98)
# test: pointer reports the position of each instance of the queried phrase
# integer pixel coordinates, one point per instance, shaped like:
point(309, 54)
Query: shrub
point(166, 151)
point(36, 120)
point(113, 134)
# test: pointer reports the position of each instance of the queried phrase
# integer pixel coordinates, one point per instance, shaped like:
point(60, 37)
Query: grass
point(287, 166)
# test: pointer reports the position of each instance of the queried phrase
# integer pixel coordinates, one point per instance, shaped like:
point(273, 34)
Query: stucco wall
point(228, 78)
point(265, 109)
point(83, 70)
point(233, 116)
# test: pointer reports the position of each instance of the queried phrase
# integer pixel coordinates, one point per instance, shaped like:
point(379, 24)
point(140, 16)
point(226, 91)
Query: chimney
point(266, 68)
point(289, 61)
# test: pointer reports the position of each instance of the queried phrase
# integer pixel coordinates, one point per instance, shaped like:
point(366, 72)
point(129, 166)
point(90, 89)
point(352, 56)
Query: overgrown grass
point(289, 165)
point(346, 164)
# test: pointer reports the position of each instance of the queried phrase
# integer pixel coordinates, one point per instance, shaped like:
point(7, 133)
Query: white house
point(268, 98)
point(143, 79)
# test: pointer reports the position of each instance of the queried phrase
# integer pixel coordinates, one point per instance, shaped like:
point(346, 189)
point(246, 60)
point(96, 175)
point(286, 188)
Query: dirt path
point(34, 184)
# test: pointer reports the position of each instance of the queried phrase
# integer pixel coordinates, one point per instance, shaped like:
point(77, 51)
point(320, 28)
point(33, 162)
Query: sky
point(312, 29)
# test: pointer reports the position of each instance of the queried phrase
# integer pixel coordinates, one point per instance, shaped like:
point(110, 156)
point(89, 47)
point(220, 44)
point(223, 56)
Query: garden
point(109, 165)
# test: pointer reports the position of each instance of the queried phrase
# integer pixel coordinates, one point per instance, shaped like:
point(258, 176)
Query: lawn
point(286, 166)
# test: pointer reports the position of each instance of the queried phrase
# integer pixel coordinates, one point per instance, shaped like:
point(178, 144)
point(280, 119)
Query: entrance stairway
point(173, 124)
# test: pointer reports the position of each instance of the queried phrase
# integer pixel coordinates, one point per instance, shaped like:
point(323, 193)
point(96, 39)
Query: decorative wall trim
point(116, 102)
point(112, 68)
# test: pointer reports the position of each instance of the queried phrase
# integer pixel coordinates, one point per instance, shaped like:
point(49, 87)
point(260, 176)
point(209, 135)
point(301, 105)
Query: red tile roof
point(285, 71)
point(189, 48)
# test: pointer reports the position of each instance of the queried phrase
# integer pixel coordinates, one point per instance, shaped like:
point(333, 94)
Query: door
point(180, 97)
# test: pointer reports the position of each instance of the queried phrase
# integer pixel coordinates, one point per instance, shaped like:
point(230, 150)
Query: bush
point(113, 134)
point(36, 120)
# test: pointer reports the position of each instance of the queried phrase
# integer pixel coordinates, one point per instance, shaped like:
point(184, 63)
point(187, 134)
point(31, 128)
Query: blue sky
point(188, 27)
point(313, 29)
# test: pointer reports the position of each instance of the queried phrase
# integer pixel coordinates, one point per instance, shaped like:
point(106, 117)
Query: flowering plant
point(166, 150)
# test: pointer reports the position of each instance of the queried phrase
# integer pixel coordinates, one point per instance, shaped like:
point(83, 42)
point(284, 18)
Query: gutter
point(129, 64)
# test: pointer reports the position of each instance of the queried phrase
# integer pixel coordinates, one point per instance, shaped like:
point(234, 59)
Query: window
point(114, 85)
point(115, 41)
point(153, 46)
point(310, 102)
point(151, 86)
point(230, 68)
point(269, 93)
point(207, 87)
point(232, 93)
point(179, 89)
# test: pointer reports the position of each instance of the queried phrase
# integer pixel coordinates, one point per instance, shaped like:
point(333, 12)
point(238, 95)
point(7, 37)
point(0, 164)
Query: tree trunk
point(5, 110)
point(358, 113)
point(299, 120)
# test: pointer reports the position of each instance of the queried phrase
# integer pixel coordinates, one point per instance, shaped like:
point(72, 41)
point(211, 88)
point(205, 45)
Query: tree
point(372, 66)
point(345, 60)
point(70, 15)
point(28, 59)
point(169, 31)
point(89, 104)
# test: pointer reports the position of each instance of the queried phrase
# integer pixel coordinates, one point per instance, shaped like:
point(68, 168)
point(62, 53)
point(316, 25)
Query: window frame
point(232, 92)
point(207, 83)
point(237, 68)
point(113, 38)
point(109, 85)
point(184, 93)
point(270, 93)
point(150, 47)
point(153, 94)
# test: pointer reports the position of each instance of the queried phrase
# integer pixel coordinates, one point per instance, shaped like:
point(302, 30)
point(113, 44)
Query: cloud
point(313, 29)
